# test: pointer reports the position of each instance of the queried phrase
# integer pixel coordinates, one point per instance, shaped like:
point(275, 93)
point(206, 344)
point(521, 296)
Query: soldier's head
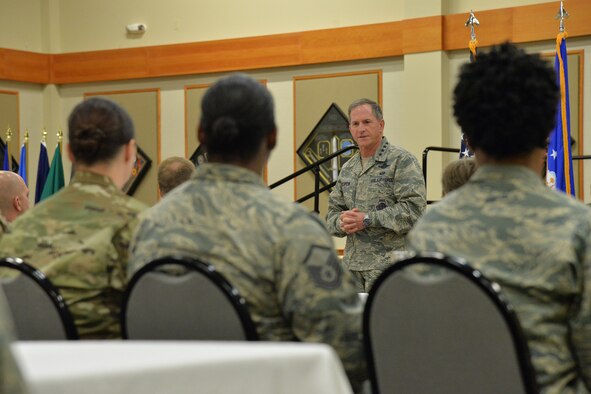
point(101, 134)
point(14, 195)
point(238, 122)
point(505, 103)
point(457, 173)
point(172, 172)
point(366, 125)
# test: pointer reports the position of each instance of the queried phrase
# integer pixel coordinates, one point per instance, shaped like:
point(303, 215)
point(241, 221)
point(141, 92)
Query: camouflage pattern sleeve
point(581, 321)
point(11, 380)
point(409, 192)
point(3, 226)
point(319, 297)
point(336, 205)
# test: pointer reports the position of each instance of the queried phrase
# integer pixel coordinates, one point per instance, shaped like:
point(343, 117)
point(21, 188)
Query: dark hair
point(236, 114)
point(173, 171)
point(375, 107)
point(506, 101)
point(97, 129)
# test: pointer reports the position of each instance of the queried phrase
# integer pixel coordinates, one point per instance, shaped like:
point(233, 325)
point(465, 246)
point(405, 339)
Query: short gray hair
point(375, 107)
point(174, 171)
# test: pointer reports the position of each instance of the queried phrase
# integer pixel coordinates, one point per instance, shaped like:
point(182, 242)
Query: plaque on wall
point(330, 134)
point(199, 156)
point(140, 168)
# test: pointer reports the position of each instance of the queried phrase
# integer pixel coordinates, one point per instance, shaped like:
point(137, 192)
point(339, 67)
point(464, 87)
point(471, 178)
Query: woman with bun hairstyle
point(79, 237)
point(278, 255)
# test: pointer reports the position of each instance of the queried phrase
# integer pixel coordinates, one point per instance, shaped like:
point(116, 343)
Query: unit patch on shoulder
point(324, 267)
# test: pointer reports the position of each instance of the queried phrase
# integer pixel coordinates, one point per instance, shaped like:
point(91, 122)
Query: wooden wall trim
point(519, 24)
point(24, 66)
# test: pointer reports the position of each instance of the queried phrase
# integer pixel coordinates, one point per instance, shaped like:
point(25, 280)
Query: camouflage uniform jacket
point(3, 226)
point(279, 257)
point(391, 190)
point(80, 239)
point(11, 380)
point(534, 242)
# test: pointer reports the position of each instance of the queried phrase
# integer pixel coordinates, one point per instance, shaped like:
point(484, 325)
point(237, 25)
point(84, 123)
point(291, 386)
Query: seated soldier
point(457, 173)
point(533, 241)
point(79, 237)
point(280, 258)
point(172, 172)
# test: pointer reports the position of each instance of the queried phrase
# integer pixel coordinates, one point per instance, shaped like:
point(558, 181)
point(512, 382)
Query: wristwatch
point(366, 221)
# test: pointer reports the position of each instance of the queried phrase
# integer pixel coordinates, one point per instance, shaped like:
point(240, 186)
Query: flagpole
point(472, 22)
point(7, 153)
point(60, 136)
point(26, 144)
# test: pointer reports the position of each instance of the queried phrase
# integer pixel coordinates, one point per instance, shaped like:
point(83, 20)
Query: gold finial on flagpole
point(26, 137)
point(8, 135)
point(44, 136)
point(472, 21)
point(60, 137)
point(562, 15)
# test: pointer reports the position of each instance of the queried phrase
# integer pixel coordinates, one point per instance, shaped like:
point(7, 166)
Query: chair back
point(432, 324)
point(38, 310)
point(179, 298)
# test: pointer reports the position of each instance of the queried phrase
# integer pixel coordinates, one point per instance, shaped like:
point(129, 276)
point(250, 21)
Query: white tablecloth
point(117, 367)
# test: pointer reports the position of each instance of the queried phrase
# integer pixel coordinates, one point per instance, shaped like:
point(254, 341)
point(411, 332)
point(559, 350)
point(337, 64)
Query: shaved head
point(14, 195)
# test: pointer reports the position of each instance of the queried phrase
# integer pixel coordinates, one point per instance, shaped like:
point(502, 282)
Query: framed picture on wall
point(140, 169)
point(199, 156)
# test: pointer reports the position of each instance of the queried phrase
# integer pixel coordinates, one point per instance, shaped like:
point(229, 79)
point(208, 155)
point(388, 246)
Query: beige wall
point(416, 88)
point(21, 25)
point(89, 24)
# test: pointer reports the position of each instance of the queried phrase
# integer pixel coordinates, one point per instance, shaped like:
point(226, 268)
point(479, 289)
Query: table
point(117, 367)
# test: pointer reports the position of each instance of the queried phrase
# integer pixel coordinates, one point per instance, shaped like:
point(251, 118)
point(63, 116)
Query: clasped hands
point(351, 221)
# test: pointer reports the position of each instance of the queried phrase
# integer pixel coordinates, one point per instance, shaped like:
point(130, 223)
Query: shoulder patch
point(324, 267)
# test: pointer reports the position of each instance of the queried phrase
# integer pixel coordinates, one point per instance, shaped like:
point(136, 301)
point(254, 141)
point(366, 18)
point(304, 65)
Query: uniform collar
point(519, 175)
point(227, 172)
point(88, 177)
point(382, 152)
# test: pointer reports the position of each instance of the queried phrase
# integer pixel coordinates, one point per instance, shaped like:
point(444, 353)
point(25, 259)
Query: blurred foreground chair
point(38, 310)
point(178, 298)
point(432, 324)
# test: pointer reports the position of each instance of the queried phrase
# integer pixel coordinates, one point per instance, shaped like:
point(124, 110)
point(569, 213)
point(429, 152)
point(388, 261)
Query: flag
point(6, 162)
point(42, 171)
point(464, 150)
point(55, 178)
point(560, 170)
point(22, 169)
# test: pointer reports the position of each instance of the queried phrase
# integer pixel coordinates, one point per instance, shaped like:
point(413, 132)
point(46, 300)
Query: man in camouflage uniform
point(79, 238)
point(279, 257)
point(379, 195)
point(11, 380)
point(3, 226)
point(533, 241)
point(14, 195)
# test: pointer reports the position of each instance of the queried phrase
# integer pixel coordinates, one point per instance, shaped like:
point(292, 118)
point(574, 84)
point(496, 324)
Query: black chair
point(178, 298)
point(38, 310)
point(432, 324)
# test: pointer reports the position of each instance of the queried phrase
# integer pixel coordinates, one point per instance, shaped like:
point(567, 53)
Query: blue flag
point(22, 169)
point(42, 171)
point(6, 161)
point(560, 169)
